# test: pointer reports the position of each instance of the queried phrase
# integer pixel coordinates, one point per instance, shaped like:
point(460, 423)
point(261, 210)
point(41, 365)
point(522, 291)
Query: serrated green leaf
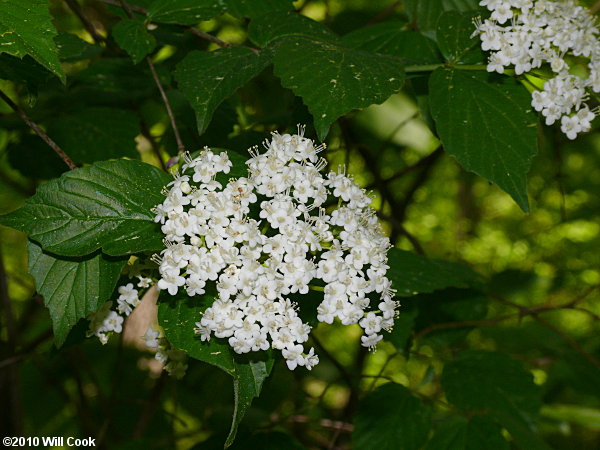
point(104, 206)
point(475, 434)
point(26, 29)
point(266, 28)
point(487, 124)
point(184, 12)
point(208, 78)
point(133, 37)
point(390, 38)
point(426, 13)
point(482, 380)
point(412, 274)
point(72, 287)
point(254, 8)
point(333, 79)
point(96, 133)
point(178, 315)
point(454, 30)
point(71, 48)
point(391, 418)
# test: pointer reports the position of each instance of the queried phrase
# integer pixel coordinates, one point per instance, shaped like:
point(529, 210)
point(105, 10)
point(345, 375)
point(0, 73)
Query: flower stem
point(432, 67)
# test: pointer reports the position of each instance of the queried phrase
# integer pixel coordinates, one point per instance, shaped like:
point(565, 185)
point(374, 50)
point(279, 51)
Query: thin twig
point(153, 144)
point(151, 405)
point(38, 131)
point(341, 369)
point(208, 37)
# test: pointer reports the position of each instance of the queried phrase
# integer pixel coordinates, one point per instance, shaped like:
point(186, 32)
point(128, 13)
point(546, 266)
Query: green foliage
point(72, 287)
point(133, 37)
point(390, 418)
point(223, 72)
point(391, 88)
point(487, 125)
point(105, 206)
point(26, 29)
point(332, 79)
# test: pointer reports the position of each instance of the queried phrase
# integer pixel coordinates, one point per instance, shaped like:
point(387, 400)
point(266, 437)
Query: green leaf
point(104, 206)
point(178, 315)
point(390, 38)
point(491, 381)
point(391, 418)
point(264, 29)
point(71, 48)
point(332, 79)
point(133, 37)
point(412, 274)
point(72, 287)
point(461, 434)
point(96, 133)
point(208, 78)
point(254, 8)
point(403, 326)
point(426, 13)
point(26, 29)
point(454, 30)
point(487, 124)
point(449, 305)
point(184, 12)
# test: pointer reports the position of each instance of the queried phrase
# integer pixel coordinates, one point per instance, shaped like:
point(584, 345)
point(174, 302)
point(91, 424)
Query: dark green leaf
point(184, 12)
point(96, 134)
point(480, 432)
point(482, 380)
point(254, 8)
point(71, 48)
point(426, 13)
point(264, 29)
point(208, 78)
point(332, 79)
point(391, 39)
point(487, 124)
point(412, 274)
point(133, 37)
point(454, 30)
point(178, 315)
point(72, 287)
point(33, 158)
point(104, 206)
point(25, 70)
point(391, 418)
point(26, 29)
point(403, 326)
point(449, 305)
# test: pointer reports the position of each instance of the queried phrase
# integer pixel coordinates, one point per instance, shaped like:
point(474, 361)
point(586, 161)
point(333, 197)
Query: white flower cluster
point(299, 245)
point(553, 35)
point(173, 360)
point(105, 320)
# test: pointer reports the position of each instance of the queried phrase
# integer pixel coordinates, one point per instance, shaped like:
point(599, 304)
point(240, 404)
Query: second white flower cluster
point(262, 242)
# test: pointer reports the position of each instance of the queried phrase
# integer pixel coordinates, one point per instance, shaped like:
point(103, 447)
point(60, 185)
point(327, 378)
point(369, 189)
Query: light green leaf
point(487, 124)
point(264, 29)
point(184, 12)
point(390, 38)
point(208, 78)
point(96, 133)
point(104, 206)
point(254, 8)
point(72, 287)
point(482, 380)
point(333, 79)
point(133, 37)
point(454, 30)
point(414, 274)
point(178, 315)
point(26, 29)
point(461, 434)
point(391, 418)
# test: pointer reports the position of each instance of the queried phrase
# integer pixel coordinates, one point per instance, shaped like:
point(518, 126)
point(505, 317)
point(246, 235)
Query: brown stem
point(59, 151)
point(155, 147)
point(180, 146)
point(208, 37)
point(150, 409)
